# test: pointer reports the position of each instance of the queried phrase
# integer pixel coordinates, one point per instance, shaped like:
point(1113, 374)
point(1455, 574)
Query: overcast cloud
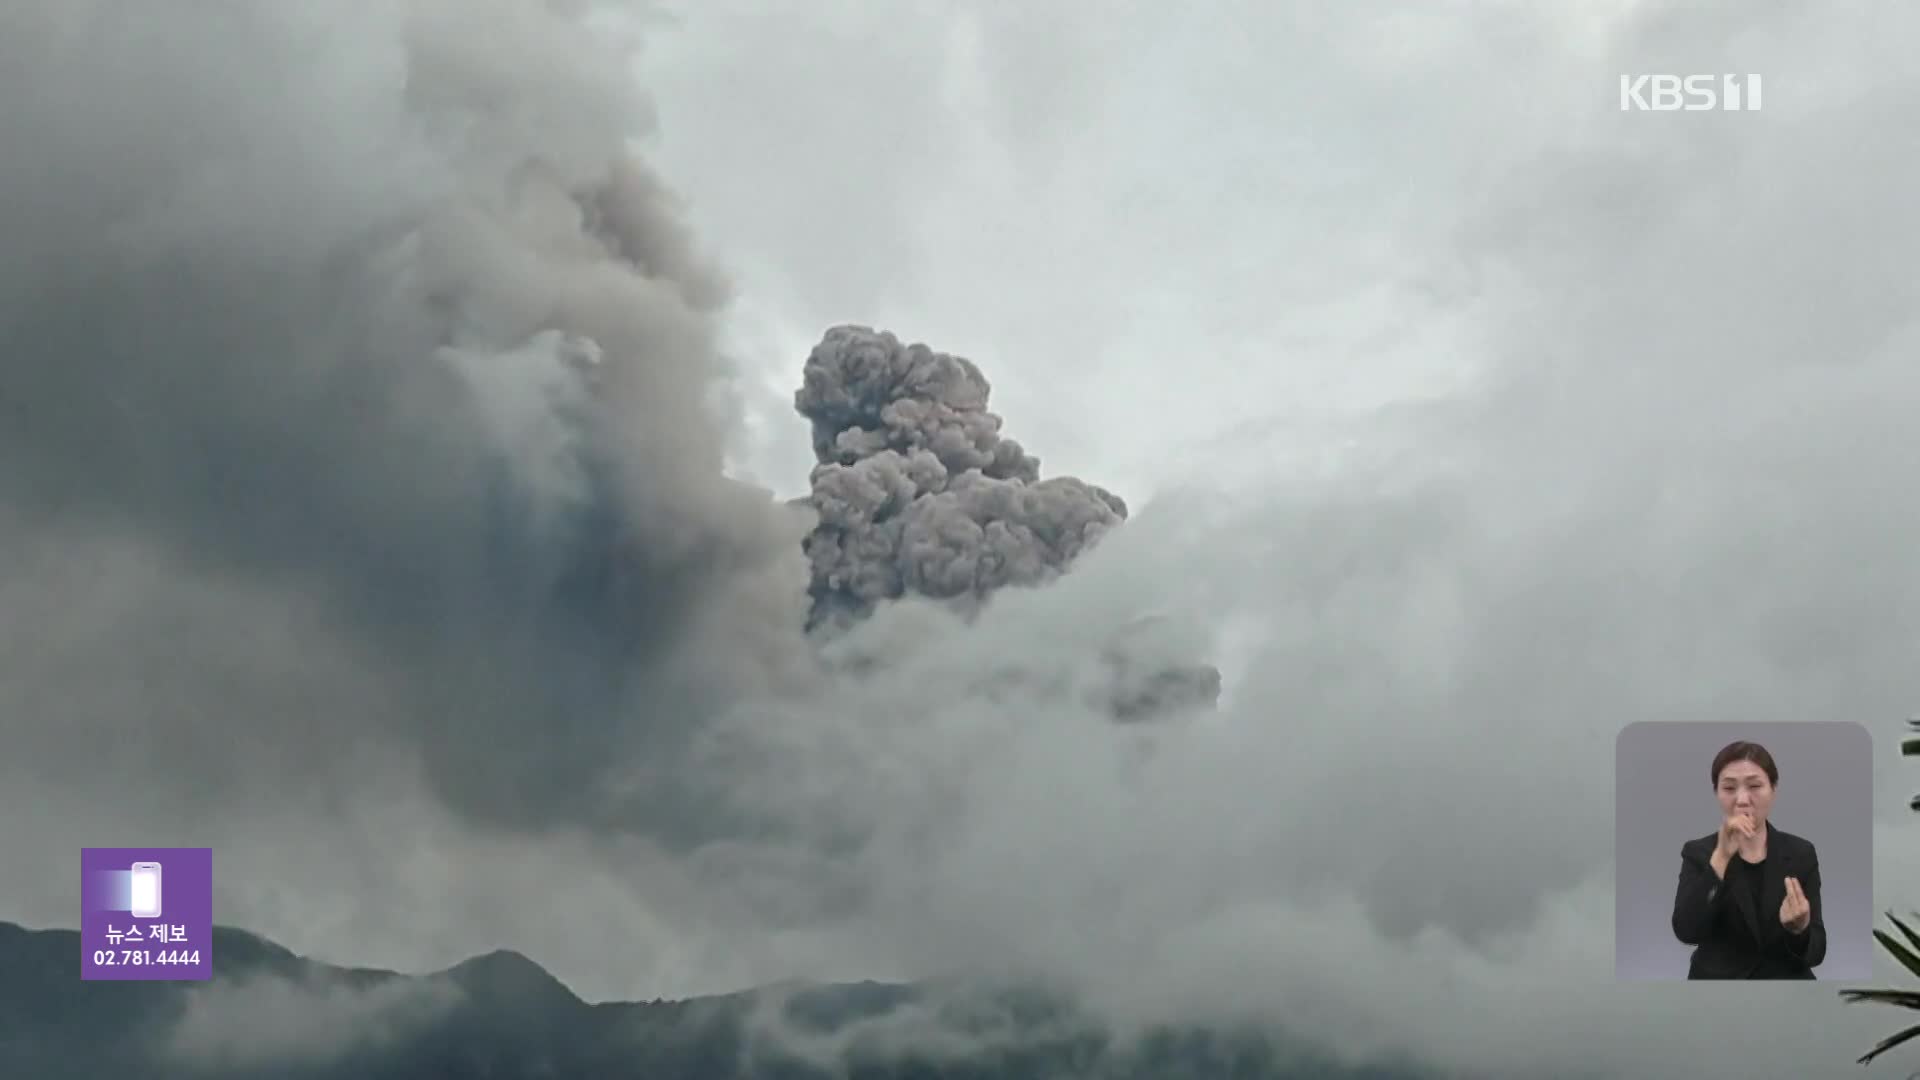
point(1463, 419)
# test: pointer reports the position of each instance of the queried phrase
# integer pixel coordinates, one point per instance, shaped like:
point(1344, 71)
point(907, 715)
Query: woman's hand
point(1795, 912)
point(1737, 829)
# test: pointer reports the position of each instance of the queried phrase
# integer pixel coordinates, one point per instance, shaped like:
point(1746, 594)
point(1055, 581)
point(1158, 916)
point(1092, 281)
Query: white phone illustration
point(146, 890)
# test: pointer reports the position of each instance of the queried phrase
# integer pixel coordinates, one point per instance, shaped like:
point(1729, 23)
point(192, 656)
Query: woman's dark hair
point(1746, 751)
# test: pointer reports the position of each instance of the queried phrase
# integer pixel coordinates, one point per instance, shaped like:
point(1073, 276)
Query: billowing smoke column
point(375, 305)
point(372, 316)
point(917, 493)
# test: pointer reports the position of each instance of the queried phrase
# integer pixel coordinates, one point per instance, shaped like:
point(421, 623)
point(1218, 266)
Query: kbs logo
point(1691, 93)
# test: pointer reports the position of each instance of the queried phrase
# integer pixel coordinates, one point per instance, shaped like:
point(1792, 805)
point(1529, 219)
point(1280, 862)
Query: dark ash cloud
point(918, 493)
point(411, 334)
point(917, 490)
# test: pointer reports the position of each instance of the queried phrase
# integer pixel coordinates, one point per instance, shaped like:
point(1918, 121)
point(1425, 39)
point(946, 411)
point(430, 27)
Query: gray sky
point(1465, 416)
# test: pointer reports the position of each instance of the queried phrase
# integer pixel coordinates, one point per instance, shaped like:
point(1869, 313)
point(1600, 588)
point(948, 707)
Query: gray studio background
point(1663, 797)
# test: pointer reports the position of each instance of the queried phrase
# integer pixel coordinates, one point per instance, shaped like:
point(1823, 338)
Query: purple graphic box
point(146, 913)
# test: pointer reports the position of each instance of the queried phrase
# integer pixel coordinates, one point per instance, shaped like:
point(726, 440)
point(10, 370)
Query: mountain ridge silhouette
point(269, 1012)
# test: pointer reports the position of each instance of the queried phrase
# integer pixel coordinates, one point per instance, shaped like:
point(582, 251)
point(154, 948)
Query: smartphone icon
point(146, 890)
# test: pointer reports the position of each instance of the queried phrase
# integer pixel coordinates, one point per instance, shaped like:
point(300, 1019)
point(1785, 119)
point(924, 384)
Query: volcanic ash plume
point(918, 493)
point(375, 304)
point(916, 490)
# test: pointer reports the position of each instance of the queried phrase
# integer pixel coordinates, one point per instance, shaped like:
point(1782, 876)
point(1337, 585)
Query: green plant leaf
point(1900, 952)
point(1906, 999)
point(1889, 1043)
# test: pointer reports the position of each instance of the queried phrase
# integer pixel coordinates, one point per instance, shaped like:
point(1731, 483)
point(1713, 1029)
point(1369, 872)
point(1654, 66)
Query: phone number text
point(144, 957)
